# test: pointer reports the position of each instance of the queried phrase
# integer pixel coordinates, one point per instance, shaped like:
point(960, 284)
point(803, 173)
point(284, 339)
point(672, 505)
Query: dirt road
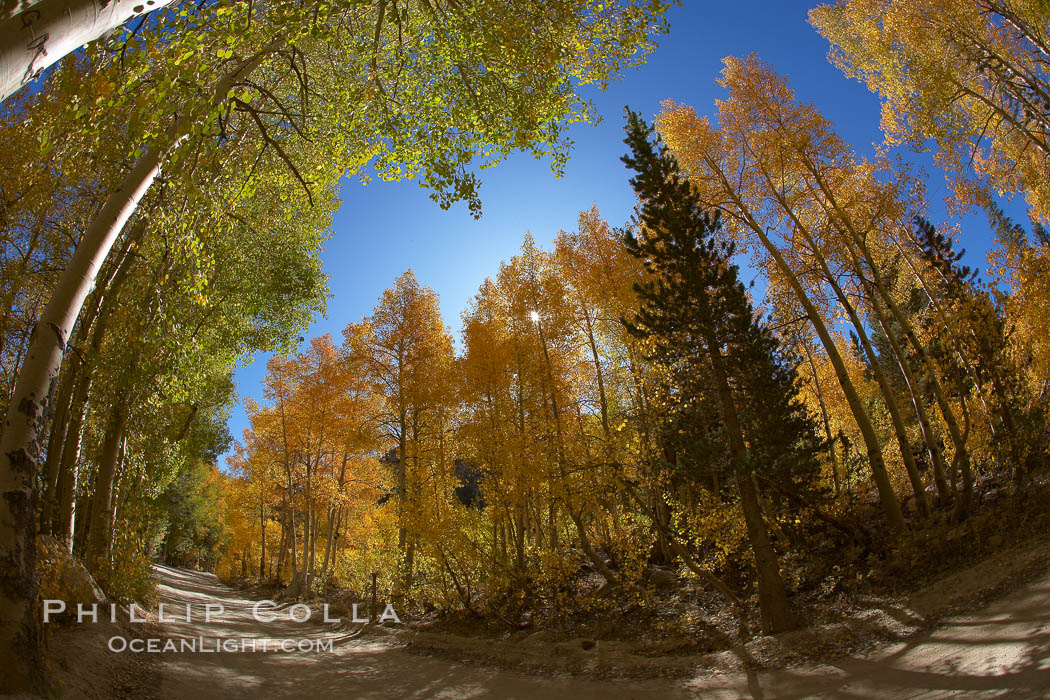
point(1001, 651)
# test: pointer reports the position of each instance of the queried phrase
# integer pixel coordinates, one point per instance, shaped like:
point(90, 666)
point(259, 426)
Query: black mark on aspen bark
point(21, 462)
point(59, 335)
point(29, 17)
point(38, 44)
point(28, 407)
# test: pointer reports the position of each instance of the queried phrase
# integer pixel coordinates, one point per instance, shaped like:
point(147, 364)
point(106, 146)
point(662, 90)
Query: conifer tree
point(721, 360)
point(984, 338)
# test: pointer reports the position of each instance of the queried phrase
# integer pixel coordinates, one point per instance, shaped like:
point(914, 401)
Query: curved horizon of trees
point(590, 451)
point(595, 426)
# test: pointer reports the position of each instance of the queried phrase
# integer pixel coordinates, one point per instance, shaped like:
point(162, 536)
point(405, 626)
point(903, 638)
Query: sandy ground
point(1002, 650)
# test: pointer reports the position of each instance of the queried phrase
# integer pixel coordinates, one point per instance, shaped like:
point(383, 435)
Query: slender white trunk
point(27, 416)
point(43, 32)
point(29, 409)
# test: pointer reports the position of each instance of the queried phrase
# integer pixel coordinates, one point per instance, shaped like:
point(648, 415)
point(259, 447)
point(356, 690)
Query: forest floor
point(1000, 649)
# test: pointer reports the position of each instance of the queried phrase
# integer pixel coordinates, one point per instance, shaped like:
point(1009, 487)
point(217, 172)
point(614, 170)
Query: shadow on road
point(1002, 651)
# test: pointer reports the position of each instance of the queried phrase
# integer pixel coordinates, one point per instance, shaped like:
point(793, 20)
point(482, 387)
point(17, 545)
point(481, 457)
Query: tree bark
point(262, 542)
point(30, 405)
point(64, 518)
point(889, 396)
point(329, 540)
point(887, 497)
point(42, 32)
point(282, 547)
point(102, 508)
point(772, 595)
point(824, 417)
point(304, 574)
point(950, 331)
point(921, 415)
point(402, 497)
point(602, 401)
point(585, 543)
point(27, 418)
point(54, 443)
point(962, 456)
point(77, 374)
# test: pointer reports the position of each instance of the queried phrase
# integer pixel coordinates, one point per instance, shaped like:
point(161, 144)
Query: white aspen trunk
point(64, 517)
point(329, 538)
point(26, 420)
point(43, 32)
point(102, 511)
point(30, 406)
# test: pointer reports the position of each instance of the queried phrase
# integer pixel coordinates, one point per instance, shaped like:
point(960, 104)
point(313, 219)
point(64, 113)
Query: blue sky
point(383, 229)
